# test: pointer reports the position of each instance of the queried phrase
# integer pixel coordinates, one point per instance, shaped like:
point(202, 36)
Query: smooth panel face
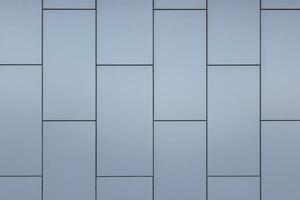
point(180, 160)
point(124, 121)
point(69, 3)
point(124, 32)
point(280, 65)
point(233, 120)
point(180, 71)
point(280, 163)
point(127, 188)
point(20, 120)
point(280, 4)
point(16, 188)
point(69, 160)
point(180, 4)
point(21, 30)
point(69, 65)
point(234, 188)
point(233, 32)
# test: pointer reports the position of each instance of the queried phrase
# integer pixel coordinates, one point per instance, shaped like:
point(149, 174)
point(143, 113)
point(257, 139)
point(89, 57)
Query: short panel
point(280, 163)
point(69, 4)
point(16, 188)
point(69, 160)
point(233, 32)
point(234, 188)
point(180, 160)
point(124, 32)
point(21, 32)
point(180, 4)
point(127, 188)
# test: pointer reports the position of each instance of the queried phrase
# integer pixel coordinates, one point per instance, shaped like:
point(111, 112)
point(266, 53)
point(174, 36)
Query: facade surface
point(149, 99)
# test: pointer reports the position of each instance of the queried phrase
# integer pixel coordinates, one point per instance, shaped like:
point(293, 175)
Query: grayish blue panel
point(21, 31)
point(125, 188)
point(69, 65)
point(280, 4)
point(280, 65)
point(69, 3)
point(124, 121)
point(180, 69)
point(234, 188)
point(233, 120)
point(180, 4)
point(124, 31)
point(233, 32)
point(20, 120)
point(180, 160)
point(69, 160)
point(280, 160)
point(20, 188)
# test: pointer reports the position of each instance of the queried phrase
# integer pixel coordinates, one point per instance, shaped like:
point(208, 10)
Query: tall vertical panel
point(233, 121)
point(233, 31)
point(124, 121)
point(69, 160)
point(69, 65)
point(21, 31)
point(180, 160)
point(280, 65)
point(124, 31)
point(20, 120)
point(180, 65)
point(280, 160)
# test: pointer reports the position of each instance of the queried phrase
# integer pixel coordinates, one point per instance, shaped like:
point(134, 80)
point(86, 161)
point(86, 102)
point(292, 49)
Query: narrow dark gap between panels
point(284, 9)
point(42, 103)
point(96, 105)
point(206, 99)
point(69, 9)
point(153, 98)
point(120, 65)
point(179, 9)
point(260, 144)
point(232, 176)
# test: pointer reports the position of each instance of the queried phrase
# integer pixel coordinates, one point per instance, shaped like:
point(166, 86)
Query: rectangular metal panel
point(20, 120)
point(280, 65)
point(69, 160)
point(69, 4)
point(179, 4)
point(280, 4)
point(280, 160)
point(125, 121)
point(16, 188)
point(69, 65)
point(180, 65)
point(21, 31)
point(124, 32)
point(234, 188)
point(180, 160)
point(233, 120)
point(127, 188)
point(233, 31)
